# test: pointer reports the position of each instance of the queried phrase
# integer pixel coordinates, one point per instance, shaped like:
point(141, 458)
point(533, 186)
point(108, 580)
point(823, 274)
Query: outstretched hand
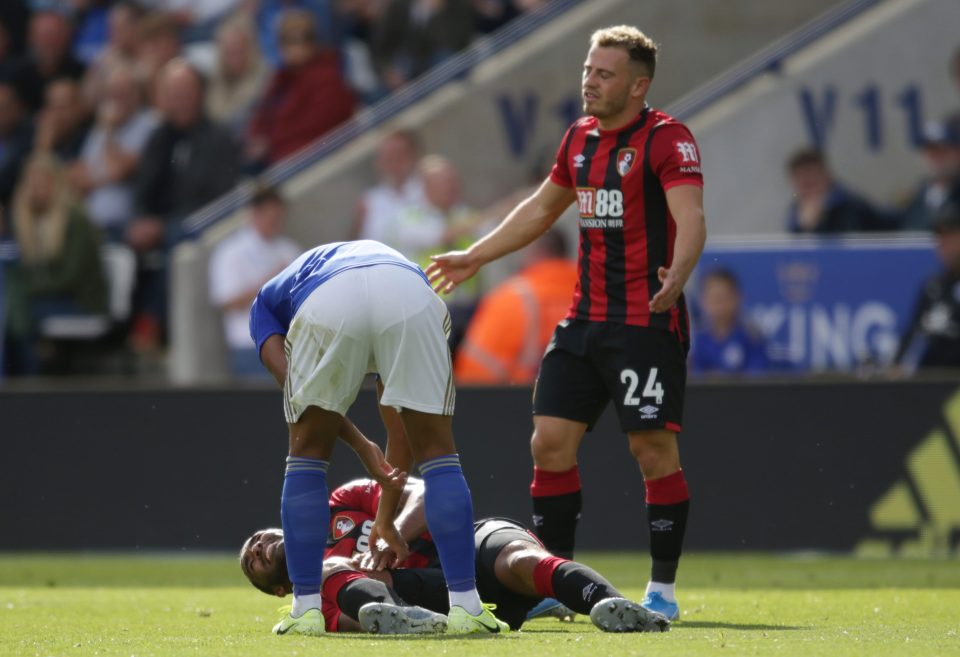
point(389, 477)
point(450, 269)
point(668, 295)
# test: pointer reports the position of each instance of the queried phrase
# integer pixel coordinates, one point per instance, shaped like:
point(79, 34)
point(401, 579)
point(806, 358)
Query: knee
point(655, 460)
point(550, 451)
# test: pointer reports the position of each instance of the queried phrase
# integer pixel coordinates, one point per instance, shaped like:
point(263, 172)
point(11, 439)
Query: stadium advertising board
point(827, 304)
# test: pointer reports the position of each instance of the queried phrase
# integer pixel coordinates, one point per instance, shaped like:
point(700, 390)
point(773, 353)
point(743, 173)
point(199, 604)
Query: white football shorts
point(383, 319)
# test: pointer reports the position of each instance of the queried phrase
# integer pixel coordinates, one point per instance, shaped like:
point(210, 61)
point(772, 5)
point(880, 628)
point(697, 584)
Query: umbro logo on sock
point(662, 525)
point(588, 591)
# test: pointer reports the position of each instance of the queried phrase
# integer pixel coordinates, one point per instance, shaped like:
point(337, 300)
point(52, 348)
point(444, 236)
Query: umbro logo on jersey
point(662, 525)
point(342, 525)
point(588, 591)
point(578, 161)
point(649, 412)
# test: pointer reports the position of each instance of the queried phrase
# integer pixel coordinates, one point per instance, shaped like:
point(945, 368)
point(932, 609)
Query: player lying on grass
point(360, 593)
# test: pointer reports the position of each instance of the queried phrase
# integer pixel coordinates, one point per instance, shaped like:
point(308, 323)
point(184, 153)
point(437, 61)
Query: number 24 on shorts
point(652, 389)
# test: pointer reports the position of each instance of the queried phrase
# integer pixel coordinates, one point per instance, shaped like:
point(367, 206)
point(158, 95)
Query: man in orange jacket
point(514, 322)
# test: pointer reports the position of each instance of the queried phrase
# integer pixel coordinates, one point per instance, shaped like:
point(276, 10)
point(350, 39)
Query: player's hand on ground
point(450, 269)
point(668, 295)
point(387, 548)
point(375, 462)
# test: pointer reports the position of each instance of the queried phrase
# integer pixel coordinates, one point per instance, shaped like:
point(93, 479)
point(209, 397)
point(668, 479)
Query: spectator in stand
point(491, 15)
point(104, 173)
point(64, 121)
point(306, 97)
point(188, 162)
point(514, 322)
point(934, 331)
point(16, 140)
point(822, 205)
point(239, 75)
point(415, 35)
point(399, 194)
point(59, 272)
point(726, 344)
point(48, 58)
point(160, 44)
point(446, 222)
point(14, 16)
point(91, 19)
point(269, 15)
point(941, 158)
point(123, 42)
point(196, 19)
point(239, 267)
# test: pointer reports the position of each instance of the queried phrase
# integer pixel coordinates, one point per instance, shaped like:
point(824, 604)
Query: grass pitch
point(161, 606)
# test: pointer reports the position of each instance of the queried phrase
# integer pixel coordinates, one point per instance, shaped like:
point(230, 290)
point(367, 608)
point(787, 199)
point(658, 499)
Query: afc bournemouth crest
point(625, 159)
point(342, 525)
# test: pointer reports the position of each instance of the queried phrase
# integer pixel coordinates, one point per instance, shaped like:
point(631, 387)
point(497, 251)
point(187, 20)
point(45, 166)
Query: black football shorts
point(643, 370)
point(491, 536)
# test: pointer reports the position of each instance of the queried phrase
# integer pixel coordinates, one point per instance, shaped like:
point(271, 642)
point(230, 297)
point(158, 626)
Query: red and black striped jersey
point(626, 230)
point(353, 508)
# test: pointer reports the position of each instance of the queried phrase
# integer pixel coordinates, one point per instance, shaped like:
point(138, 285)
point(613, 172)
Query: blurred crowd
point(119, 118)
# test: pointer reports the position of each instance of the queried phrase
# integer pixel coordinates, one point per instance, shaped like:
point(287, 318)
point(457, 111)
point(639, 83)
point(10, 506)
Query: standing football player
point(334, 314)
point(634, 173)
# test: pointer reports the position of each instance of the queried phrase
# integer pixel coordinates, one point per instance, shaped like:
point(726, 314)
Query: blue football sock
point(305, 514)
point(449, 511)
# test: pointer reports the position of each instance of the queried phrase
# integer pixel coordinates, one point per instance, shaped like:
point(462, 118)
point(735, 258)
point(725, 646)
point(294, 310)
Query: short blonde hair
point(638, 45)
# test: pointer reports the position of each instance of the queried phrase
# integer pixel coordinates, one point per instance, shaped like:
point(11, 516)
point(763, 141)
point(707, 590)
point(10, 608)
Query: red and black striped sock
point(556, 509)
point(668, 503)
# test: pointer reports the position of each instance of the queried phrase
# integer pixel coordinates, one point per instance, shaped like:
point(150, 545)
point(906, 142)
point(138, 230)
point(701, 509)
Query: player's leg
point(411, 354)
point(646, 374)
point(568, 398)
point(523, 567)
point(356, 601)
point(304, 510)
point(668, 504)
point(327, 355)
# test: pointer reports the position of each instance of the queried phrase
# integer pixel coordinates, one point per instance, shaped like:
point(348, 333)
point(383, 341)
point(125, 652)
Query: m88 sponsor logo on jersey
point(600, 208)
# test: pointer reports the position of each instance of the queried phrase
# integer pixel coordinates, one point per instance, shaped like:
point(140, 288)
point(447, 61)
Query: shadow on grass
point(736, 626)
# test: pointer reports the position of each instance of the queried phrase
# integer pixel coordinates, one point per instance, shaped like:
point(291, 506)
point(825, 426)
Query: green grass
point(732, 605)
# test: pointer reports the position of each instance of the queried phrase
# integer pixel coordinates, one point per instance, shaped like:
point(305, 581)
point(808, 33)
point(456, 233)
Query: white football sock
point(668, 591)
point(469, 600)
point(304, 603)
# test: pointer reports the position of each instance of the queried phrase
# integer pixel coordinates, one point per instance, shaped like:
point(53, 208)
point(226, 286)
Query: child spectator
point(725, 344)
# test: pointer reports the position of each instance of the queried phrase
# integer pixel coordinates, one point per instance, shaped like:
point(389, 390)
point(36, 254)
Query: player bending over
point(336, 313)
point(513, 570)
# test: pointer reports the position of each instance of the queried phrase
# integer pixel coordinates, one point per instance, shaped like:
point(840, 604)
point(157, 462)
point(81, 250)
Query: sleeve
point(264, 320)
point(675, 156)
point(358, 495)
point(560, 174)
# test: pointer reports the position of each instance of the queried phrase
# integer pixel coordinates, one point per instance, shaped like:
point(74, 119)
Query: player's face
point(261, 557)
point(609, 82)
point(948, 248)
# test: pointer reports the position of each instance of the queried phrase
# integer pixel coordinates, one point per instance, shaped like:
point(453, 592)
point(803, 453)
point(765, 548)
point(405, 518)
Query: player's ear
point(641, 84)
point(280, 591)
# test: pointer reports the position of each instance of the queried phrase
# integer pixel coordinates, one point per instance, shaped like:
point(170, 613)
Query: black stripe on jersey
point(590, 145)
point(615, 268)
point(655, 216)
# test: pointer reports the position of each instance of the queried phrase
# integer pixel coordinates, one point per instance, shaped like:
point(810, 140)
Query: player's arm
point(399, 454)
point(274, 357)
point(379, 469)
point(525, 223)
point(686, 205)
